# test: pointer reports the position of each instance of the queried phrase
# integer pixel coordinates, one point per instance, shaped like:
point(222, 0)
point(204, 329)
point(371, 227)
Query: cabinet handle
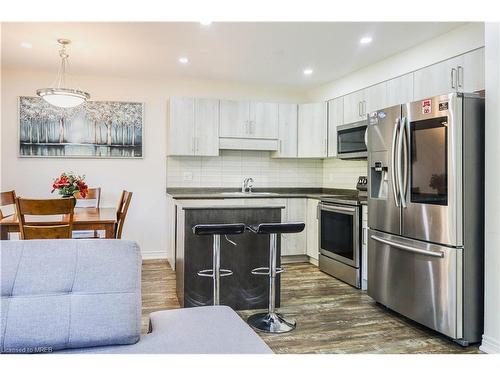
point(460, 76)
point(453, 74)
point(359, 109)
point(246, 127)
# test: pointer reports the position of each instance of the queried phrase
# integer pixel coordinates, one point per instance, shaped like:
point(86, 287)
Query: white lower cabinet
point(312, 229)
point(364, 247)
point(294, 243)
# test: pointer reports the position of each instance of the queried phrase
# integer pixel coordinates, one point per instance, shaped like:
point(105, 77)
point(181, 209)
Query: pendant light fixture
point(60, 96)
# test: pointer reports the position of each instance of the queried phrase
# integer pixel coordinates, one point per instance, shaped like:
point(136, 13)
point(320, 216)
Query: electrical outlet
point(187, 176)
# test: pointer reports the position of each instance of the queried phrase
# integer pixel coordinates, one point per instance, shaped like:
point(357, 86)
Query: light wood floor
point(331, 316)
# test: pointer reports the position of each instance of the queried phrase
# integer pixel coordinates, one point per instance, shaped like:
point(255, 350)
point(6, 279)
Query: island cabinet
point(193, 127)
point(239, 253)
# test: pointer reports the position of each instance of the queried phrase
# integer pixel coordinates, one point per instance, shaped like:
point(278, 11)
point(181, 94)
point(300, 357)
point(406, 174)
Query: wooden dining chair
point(7, 198)
point(31, 230)
point(91, 200)
point(121, 212)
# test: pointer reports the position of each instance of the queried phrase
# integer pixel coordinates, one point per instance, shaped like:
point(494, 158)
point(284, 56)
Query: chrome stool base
point(271, 322)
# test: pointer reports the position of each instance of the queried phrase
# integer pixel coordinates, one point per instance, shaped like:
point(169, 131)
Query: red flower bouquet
point(69, 183)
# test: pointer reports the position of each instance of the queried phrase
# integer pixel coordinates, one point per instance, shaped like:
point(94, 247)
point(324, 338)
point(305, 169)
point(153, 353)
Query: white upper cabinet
point(464, 73)
point(470, 72)
point(263, 120)
point(287, 131)
point(312, 133)
point(335, 118)
point(181, 127)
point(375, 98)
point(355, 106)
point(206, 127)
point(244, 119)
point(234, 118)
point(193, 127)
point(400, 90)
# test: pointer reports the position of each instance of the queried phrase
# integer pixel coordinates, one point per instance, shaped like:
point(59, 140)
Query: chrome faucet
point(247, 185)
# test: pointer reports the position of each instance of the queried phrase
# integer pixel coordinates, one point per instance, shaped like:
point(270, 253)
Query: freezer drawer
point(419, 280)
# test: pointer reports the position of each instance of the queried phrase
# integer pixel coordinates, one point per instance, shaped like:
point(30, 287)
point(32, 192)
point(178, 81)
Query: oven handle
point(336, 208)
point(411, 249)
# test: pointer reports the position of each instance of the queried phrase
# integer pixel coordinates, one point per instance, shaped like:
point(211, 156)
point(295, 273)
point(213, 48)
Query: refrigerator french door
point(425, 207)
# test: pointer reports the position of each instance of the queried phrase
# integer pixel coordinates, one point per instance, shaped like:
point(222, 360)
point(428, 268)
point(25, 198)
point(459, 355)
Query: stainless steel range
point(340, 236)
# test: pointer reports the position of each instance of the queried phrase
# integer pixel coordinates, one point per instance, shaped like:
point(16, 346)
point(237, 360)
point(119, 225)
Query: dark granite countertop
point(233, 193)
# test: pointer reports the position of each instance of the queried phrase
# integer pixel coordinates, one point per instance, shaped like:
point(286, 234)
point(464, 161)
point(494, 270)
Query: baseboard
point(490, 345)
point(287, 259)
point(313, 261)
point(154, 254)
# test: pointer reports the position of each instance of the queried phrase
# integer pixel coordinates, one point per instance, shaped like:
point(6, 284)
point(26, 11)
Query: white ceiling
point(273, 54)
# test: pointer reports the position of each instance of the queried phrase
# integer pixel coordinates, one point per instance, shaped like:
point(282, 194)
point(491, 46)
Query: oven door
point(339, 233)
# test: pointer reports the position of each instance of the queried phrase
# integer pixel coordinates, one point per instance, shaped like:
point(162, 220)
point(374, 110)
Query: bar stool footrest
point(265, 271)
point(210, 273)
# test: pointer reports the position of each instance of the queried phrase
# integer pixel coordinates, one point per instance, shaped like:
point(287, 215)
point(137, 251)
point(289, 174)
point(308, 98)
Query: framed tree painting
point(92, 130)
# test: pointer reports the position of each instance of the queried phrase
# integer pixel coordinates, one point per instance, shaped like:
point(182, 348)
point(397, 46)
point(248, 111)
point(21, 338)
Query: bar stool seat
point(271, 321)
point(215, 273)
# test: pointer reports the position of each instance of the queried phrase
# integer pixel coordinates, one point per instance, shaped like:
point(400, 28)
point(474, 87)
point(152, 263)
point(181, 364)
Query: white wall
point(231, 167)
point(146, 177)
point(491, 337)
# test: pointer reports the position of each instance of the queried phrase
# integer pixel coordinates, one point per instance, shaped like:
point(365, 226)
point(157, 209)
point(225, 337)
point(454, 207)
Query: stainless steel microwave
point(351, 141)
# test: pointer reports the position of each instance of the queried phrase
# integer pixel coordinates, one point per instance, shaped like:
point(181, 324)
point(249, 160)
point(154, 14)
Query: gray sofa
point(84, 296)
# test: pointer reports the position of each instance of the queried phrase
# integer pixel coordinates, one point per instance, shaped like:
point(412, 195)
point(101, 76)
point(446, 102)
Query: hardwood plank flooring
point(332, 317)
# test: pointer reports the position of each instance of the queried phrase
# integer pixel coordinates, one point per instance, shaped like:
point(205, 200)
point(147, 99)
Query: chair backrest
point(92, 199)
point(121, 212)
point(31, 230)
point(7, 198)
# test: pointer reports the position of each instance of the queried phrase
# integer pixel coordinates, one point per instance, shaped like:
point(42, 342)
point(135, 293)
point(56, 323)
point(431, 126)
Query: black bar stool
point(271, 321)
point(216, 230)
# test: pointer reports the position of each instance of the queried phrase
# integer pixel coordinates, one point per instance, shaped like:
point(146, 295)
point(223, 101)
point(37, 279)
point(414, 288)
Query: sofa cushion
point(58, 294)
point(195, 330)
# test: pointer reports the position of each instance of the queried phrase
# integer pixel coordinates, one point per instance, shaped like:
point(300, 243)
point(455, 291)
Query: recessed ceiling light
point(183, 60)
point(308, 71)
point(365, 40)
point(205, 23)
point(26, 45)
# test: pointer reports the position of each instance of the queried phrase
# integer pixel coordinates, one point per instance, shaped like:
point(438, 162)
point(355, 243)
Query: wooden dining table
point(84, 218)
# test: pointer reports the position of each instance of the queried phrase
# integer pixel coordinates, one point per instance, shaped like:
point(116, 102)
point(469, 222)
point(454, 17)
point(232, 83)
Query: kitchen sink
point(252, 194)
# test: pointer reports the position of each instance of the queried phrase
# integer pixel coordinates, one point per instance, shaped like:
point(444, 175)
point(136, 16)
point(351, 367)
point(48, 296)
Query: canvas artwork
point(93, 129)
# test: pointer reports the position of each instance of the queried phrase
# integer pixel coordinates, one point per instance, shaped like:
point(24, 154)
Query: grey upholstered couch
point(84, 296)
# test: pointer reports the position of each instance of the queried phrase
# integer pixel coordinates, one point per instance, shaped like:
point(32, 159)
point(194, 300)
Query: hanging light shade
point(60, 96)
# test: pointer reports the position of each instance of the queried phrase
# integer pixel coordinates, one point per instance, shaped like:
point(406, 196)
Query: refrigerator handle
point(394, 164)
point(412, 249)
point(400, 166)
point(406, 159)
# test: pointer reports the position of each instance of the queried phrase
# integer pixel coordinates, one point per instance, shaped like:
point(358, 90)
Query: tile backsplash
point(231, 167)
point(343, 174)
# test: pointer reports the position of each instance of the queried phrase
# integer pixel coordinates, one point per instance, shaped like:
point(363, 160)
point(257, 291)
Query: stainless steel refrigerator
point(426, 212)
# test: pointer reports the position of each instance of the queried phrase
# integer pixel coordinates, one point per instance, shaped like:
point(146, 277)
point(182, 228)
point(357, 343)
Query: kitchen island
point(242, 290)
